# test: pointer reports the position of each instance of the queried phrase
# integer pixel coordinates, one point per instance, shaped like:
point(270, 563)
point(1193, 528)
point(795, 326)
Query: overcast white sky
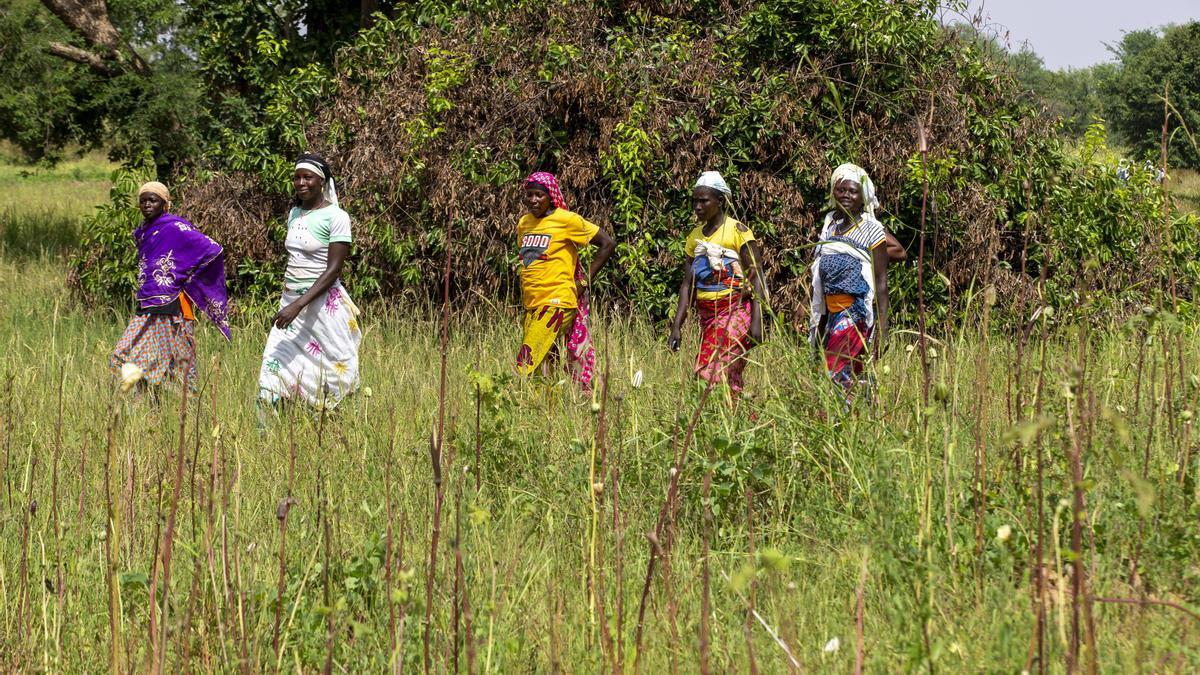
point(1072, 33)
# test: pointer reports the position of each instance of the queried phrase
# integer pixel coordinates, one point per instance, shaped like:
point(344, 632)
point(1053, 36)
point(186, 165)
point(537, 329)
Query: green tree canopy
point(155, 76)
point(1149, 62)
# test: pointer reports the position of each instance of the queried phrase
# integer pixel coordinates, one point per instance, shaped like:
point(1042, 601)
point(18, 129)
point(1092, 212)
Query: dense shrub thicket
point(432, 117)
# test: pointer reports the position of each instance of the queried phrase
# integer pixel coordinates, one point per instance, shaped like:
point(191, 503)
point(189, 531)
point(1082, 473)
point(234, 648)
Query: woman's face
point(848, 195)
point(706, 204)
point(537, 201)
point(151, 205)
point(308, 185)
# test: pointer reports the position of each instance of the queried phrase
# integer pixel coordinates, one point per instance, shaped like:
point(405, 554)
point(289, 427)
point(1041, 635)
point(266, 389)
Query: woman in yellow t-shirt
point(722, 274)
point(553, 283)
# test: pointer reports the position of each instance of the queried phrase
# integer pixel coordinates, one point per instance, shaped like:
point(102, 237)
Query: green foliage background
point(432, 111)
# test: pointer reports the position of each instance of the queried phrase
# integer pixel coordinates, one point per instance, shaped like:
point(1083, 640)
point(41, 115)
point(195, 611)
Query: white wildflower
point(1003, 533)
point(832, 646)
point(131, 374)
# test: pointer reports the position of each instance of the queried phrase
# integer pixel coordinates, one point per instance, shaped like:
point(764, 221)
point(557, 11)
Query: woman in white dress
point(312, 351)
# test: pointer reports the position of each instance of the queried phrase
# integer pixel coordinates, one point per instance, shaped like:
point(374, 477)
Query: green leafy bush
point(431, 117)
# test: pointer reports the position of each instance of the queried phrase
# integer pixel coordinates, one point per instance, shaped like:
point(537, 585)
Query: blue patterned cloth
point(842, 273)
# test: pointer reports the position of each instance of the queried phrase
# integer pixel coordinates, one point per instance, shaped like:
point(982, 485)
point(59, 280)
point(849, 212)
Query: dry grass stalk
point(860, 638)
point(751, 663)
point(435, 446)
point(59, 581)
point(468, 632)
point(169, 536)
point(595, 497)
point(659, 538)
point(388, 551)
point(281, 514)
point(706, 545)
point(112, 543)
point(618, 548)
point(923, 148)
point(324, 505)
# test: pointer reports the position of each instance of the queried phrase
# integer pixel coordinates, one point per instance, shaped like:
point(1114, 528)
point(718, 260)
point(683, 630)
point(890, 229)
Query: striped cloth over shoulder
point(866, 235)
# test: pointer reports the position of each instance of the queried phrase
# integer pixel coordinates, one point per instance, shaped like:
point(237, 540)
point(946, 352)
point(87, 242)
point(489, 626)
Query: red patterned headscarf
point(549, 183)
point(581, 353)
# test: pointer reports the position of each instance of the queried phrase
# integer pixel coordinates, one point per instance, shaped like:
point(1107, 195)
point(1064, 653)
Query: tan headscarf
point(158, 189)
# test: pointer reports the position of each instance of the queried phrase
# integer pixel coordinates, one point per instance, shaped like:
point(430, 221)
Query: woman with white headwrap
point(850, 292)
point(312, 350)
point(722, 274)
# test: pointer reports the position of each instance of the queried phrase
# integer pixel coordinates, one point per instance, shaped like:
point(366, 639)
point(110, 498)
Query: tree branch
point(83, 56)
point(89, 20)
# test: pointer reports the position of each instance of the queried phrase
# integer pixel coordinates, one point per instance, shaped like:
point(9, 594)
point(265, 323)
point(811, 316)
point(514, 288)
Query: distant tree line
point(1127, 93)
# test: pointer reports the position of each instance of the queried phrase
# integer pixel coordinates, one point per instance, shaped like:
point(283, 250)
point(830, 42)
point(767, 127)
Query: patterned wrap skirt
point(542, 328)
point(846, 340)
point(162, 345)
point(725, 327)
point(316, 357)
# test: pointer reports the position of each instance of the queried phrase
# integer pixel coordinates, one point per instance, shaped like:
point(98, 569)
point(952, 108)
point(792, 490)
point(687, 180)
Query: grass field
point(904, 534)
point(40, 207)
point(1185, 185)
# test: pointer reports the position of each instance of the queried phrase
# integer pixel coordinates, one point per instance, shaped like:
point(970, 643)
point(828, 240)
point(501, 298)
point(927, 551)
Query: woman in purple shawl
point(180, 271)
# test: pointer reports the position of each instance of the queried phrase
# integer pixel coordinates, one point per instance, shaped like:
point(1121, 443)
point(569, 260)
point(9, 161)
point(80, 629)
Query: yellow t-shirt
point(719, 274)
point(549, 252)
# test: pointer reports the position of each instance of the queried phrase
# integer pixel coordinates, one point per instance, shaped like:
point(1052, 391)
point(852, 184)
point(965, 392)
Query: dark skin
point(539, 205)
point(151, 205)
point(309, 188)
point(709, 207)
point(895, 250)
point(848, 196)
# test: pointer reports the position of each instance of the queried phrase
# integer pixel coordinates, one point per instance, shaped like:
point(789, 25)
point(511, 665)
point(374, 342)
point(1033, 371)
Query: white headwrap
point(713, 181)
point(329, 192)
point(856, 174)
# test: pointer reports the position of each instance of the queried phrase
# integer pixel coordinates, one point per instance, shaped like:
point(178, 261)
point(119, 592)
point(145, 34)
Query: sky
point(1072, 33)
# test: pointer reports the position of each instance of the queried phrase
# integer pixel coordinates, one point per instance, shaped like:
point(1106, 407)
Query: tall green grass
point(1185, 185)
point(42, 208)
point(909, 523)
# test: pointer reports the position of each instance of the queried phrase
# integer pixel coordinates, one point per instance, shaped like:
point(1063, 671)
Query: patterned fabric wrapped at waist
point(843, 274)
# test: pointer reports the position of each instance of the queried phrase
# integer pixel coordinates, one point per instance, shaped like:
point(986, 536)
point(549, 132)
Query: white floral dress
point(316, 356)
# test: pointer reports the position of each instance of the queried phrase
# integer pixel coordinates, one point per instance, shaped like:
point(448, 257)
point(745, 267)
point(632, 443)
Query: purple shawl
point(175, 257)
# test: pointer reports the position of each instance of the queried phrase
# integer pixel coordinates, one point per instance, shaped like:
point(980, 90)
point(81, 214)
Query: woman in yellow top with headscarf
point(722, 274)
point(553, 283)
